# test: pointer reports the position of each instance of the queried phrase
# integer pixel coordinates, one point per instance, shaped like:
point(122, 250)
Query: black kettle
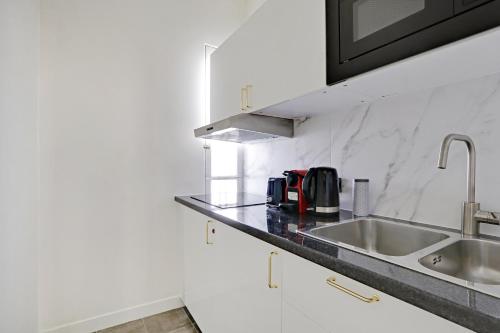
point(321, 191)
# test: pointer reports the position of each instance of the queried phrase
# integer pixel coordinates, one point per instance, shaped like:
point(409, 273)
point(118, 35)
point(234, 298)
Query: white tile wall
point(395, 142)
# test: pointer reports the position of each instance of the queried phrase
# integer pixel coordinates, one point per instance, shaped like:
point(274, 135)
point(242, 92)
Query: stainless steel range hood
point(246, 127)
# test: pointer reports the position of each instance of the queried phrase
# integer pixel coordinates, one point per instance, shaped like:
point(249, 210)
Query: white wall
point(395, 143)
point(19, 50)
point(253, 5)
point(121, 94)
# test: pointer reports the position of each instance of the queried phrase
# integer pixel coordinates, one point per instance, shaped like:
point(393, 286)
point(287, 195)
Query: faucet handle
point(487, 217)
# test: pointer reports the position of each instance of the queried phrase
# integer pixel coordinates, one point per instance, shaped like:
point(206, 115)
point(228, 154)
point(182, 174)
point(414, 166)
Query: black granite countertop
point(467, 307)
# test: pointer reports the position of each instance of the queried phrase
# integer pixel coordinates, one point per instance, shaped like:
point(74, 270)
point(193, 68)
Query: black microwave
point(365, 34)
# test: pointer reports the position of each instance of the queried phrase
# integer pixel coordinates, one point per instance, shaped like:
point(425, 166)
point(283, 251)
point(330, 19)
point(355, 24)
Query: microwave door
point(464, 5)
point(366, 25)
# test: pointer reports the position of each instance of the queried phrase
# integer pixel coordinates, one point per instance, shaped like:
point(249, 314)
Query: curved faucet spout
point(471, 161)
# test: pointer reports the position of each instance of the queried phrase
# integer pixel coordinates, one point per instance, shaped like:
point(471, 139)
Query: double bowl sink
point(472, 260)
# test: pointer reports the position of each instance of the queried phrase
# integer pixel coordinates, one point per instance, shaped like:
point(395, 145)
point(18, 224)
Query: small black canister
point(276, 191)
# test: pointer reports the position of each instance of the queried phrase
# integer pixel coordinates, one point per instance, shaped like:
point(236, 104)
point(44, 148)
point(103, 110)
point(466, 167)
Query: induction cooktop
point(231, 200)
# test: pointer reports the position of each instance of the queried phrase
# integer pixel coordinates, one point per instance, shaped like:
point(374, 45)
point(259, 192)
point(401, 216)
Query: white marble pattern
point(395, 142)
point(311, 146)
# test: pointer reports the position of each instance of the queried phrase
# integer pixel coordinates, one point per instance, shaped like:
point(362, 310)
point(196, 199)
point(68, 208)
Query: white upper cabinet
point(228, 78)
point(278, 54)
point(276, 64)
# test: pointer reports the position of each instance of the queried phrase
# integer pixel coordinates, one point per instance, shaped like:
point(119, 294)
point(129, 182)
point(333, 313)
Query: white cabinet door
point(199, 253)
point(286, 51)
point(245, 303)
point(226, 278)
point(280, 52)
point(228, 76)
point(295, 321)
point(311, 301)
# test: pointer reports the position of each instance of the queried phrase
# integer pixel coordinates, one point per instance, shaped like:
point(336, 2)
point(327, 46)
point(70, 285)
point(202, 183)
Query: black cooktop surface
point(231, 200)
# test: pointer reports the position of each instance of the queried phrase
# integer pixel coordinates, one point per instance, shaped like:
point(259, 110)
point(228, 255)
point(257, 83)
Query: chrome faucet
point(472, 216)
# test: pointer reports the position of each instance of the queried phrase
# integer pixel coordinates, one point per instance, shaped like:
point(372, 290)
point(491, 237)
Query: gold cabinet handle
point(270, 283)
point(249, 89)
point(207, 232)
point(244, 99)
point(332, 282)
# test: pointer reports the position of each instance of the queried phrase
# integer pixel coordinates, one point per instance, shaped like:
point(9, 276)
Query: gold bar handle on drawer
point(207, 233)
point(244, 99)
point(333, 282)
point(270, 283)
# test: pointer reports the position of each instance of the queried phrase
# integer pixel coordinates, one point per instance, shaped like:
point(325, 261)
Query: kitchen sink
point(376, 236)
point(468, 259)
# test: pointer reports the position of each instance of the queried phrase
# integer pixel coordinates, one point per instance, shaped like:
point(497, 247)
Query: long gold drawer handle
point(332, 282)
point(207, 232)
point(270, 283)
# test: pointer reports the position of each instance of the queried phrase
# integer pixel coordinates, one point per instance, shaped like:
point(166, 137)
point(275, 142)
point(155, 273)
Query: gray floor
point(175, 321)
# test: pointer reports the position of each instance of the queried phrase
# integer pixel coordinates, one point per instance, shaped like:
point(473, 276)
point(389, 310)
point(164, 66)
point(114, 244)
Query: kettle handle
point(306, 185)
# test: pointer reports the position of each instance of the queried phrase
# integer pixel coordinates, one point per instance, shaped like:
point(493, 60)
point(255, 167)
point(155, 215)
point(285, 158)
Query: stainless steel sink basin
point(387, 238)
point(469, 259)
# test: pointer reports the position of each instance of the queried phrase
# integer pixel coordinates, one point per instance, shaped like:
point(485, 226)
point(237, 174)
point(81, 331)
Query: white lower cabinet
point(317, 306)
point(199, 273)
point(245, 303)
point(297, 321)
point(236, 283)
point(227, 281)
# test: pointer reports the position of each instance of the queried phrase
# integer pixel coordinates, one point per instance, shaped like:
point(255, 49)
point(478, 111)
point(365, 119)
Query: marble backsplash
point(395, 143)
